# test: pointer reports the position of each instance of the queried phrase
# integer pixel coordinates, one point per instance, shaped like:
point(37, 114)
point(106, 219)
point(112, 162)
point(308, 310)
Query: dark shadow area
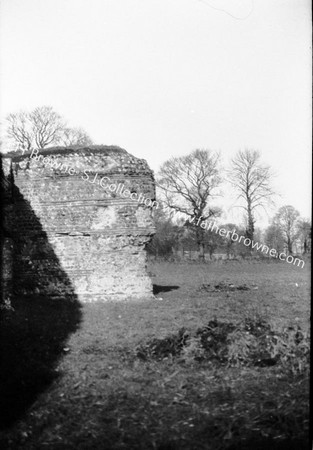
point(5, 196)
point(255, 444)
point(271, 444)
point(33, 337)
point(157, 288)
point(34, 333)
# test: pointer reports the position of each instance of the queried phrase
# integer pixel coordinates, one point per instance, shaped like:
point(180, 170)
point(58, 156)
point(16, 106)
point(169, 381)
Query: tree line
point(188, 186)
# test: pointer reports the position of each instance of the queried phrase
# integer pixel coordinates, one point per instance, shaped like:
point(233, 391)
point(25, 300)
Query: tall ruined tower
point(76, 221)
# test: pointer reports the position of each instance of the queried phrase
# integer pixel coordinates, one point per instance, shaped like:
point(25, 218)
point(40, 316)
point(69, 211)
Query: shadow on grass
point(271, 444)
point(33, 337)
point(157, 288)
point(33, 334)
point(255, 444)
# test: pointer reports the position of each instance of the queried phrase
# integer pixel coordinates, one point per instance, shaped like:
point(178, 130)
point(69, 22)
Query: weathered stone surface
point(62, 221)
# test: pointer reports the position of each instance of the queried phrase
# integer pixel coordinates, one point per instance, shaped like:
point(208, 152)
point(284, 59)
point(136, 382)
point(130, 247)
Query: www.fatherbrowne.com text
point(212, 226)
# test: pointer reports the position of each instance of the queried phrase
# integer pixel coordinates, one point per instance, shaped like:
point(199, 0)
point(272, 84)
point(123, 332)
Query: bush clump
point(163, 348)
point(251, 342)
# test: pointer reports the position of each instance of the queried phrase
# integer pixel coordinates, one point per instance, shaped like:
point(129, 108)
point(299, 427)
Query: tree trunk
point(250, 227)
point(305, 246)
point(289, 243)
point(201, 251)
point(200, 243)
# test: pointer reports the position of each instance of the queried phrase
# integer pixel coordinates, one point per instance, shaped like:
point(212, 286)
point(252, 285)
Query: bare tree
point(287, 221)
point(41, 128)
point(252, 180)
point(75, 136)
point(20, 131)
point(188, 183)
point(47, 126)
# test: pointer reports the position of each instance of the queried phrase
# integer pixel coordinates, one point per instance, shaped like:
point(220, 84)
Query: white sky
point(163, 77)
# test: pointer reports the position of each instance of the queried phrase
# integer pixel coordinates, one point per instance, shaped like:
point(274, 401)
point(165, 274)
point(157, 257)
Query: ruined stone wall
point(63, 221)
point(6, 241)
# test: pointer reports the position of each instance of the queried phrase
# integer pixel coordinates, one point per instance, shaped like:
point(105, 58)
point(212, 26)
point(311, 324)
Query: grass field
point(73, 377)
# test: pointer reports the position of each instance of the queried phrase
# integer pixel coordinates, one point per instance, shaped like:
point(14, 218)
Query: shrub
point(251, 342)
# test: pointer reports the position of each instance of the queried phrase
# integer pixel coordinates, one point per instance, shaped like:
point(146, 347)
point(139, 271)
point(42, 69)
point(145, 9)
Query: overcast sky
point(163, 77)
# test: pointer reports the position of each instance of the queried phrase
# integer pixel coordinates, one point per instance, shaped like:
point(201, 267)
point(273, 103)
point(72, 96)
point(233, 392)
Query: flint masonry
point(62, 235)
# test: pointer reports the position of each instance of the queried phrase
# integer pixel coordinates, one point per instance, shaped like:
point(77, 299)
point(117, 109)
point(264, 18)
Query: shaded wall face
point(6, 242)
point(33, 336)
point(96, 234)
